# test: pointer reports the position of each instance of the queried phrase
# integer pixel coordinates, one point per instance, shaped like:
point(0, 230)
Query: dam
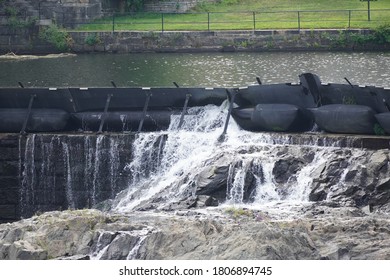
point(176, 168)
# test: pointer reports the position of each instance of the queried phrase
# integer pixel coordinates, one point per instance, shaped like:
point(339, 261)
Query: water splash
point(165, 161)
point(165, 165)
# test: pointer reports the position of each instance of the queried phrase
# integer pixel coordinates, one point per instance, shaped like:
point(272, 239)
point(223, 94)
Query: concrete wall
point(259, 40)
point(53, 172)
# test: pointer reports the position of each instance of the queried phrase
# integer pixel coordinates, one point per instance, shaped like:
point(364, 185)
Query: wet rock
point(120, 247)
point(205, 201)
point(319, 192)
point(211, 180)
point(381, 194)
point(378, 162)
point(285, 169)
point(188, 203)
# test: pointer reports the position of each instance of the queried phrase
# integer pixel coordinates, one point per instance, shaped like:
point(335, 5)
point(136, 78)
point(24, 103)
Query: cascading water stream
point(169, 167)
point(166, 165)
point(165, 168)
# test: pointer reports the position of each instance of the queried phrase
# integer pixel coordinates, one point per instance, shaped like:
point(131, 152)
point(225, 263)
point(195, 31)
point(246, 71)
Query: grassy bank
point(254, 14)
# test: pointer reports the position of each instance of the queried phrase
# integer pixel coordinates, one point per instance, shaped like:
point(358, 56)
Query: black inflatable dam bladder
point(38, 120)
point(123, 120)
point(275, 94)
point(384, 121)
point(273, 117)
point(349, 119)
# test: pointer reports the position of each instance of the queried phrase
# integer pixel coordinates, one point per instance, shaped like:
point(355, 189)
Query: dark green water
point(210, 69)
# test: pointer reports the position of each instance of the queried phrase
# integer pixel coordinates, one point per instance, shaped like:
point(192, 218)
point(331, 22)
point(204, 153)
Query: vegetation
point(14, 18)
point(250, 14)
point(92, 40)
point(239, 212)
point(378, 130)
point(60, 39)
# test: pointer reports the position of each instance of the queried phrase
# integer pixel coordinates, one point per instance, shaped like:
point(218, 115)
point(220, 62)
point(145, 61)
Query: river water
point(204, 69)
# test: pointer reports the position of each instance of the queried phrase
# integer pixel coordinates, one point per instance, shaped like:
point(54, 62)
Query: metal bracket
point(188, 96)
point(232, 95)
point(30, 103)
point(108, 100)
point(141, 123)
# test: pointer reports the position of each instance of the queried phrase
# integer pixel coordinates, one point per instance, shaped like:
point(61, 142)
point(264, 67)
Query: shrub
point(60, 39)
point(382, 34)
point(92, 40)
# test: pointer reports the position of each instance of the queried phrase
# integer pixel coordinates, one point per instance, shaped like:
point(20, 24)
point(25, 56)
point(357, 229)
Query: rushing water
point(205, 69)
point(167, 166)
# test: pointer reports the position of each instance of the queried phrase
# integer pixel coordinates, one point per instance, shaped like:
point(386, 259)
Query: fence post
point(113, 22)
point(299, 21)
point(39, 10)
point(208, 21)
point(254, 20)
point(162, 22)
point(349, 18)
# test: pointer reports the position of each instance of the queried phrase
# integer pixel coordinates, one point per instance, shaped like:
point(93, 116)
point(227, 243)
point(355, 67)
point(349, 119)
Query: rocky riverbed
point(310, 231)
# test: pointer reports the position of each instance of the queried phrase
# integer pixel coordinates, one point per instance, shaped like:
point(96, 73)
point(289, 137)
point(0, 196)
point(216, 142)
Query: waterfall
point(167, 169)
point(68, 175)
point(261, 167)
point(158, 170)
point(28, 176)
point(70, 171)
point(96, 168)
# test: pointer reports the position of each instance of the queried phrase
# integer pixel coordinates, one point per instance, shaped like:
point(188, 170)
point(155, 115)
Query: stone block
point(8, 212)
point(7, 153)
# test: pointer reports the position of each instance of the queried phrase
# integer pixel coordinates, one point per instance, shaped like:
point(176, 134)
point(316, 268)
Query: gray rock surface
point(318, 231)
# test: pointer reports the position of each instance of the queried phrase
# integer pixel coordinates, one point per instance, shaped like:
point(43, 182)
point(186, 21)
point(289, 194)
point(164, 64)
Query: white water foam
point(165, 164)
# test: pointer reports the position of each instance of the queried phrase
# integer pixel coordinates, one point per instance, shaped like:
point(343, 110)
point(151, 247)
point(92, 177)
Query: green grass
point(255, 14)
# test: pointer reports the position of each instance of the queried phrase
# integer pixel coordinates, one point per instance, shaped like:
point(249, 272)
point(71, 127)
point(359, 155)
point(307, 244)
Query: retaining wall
point(192, 41)
point(44, 172)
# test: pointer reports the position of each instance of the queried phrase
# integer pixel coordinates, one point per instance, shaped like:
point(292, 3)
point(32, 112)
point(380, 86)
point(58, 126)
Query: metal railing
point(212, 21)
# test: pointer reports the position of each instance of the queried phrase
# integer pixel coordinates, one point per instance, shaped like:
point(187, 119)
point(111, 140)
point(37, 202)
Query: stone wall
point(178, 6)
point(201, 41)
point(52, 172)
point(9, 178)
point(70, 13)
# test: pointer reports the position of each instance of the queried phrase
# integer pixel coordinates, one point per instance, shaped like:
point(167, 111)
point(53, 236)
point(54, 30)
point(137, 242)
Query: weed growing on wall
point(60, 39)
point(93, 40)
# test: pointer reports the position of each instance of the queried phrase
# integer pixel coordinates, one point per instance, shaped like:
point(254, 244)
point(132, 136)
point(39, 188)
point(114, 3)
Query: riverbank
point(198, 41)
